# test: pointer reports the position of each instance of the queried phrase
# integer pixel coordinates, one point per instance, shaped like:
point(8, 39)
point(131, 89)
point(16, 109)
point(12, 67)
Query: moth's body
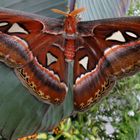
point(70, 35)
point(39, 50)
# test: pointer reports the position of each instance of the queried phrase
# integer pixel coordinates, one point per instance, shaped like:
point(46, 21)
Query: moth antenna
point(73, 13)
point(59, 12)
point(77, 11)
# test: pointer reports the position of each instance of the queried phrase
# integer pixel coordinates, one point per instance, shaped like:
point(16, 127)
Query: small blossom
point(131, 113)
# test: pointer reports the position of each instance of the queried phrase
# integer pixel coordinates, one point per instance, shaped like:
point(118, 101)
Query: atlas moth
point(39, 49)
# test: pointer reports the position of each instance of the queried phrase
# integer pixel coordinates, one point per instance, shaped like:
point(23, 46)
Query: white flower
point(131, 113)
point(109, 128)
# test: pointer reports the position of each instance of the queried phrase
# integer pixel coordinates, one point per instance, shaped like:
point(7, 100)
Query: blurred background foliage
point(116, 117)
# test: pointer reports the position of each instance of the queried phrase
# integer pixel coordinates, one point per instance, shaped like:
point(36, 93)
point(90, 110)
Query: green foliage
point(134, 9)
point(120, 111)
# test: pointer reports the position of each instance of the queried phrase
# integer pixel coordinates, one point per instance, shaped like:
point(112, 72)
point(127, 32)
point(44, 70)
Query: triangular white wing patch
point(84, 62)
point(116, 36)
point(50, 59)
point(15, 28)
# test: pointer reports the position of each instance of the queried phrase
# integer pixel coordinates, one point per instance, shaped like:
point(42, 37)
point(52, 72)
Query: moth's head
point(71, 19)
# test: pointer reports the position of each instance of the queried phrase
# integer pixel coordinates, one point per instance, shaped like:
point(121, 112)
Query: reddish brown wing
point(106, 51)
point(26, 43)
